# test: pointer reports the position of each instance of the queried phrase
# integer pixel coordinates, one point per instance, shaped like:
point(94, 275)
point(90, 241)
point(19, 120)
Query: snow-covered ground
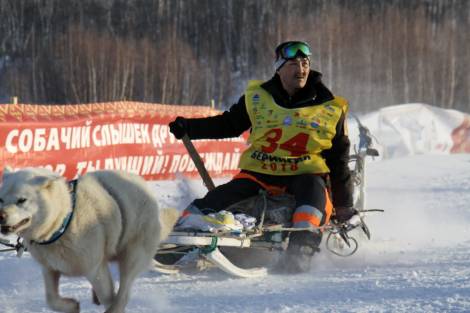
point(417, 261)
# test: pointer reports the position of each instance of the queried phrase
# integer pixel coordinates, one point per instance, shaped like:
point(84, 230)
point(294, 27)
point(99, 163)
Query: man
point(298, 142)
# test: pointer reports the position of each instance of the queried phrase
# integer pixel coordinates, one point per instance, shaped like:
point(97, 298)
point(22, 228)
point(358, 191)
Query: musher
point(298, 141)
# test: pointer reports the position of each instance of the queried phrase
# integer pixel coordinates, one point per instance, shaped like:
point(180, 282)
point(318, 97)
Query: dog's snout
point(3, 217)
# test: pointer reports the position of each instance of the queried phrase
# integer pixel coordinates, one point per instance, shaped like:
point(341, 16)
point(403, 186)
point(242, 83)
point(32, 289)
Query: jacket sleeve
point(337, 159)
point(231, 123)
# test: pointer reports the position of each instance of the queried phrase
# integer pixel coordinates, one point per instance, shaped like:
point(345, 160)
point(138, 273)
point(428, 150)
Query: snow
point(416, 128)
point(418, 259)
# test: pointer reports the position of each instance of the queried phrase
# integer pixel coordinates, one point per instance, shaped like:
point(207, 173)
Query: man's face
point(294, 74)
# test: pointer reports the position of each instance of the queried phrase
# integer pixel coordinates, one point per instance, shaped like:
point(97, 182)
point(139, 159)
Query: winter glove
point(344, 214)
point(179, 127)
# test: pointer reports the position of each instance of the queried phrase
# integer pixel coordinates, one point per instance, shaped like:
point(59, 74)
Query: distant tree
point(375, 53)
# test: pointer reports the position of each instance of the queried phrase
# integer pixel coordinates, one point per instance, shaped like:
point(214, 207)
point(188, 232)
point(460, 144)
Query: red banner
point(129, 136)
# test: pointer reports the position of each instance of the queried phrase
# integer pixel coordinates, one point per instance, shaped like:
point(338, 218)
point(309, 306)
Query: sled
point(198, 250)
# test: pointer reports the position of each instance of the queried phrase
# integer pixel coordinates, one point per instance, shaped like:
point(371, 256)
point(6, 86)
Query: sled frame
point(206, 245)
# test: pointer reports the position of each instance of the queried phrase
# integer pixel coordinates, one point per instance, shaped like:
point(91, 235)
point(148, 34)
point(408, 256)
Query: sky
point(418, 258)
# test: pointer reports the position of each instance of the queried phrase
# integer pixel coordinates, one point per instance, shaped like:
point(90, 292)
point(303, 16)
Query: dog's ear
point(7, 170)
point(44, 181)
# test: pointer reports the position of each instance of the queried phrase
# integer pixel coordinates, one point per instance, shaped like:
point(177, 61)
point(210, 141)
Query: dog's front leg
point(54, 300)
point(134, 260)
point(102, 283)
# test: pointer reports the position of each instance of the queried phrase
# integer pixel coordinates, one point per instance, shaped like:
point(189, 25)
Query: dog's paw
point(67, 305)
point(71, 305)
point(113, 309)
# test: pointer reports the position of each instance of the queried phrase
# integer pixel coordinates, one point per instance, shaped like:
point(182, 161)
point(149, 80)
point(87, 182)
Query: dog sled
point(198, 250)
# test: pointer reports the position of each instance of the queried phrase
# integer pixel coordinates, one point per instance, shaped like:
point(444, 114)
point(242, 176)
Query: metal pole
point(198, 162)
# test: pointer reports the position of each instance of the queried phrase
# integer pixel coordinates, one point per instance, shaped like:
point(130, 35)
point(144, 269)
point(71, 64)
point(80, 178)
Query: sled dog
point(76, 228)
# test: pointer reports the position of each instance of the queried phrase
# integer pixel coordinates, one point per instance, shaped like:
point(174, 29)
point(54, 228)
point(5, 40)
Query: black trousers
point(308, 189)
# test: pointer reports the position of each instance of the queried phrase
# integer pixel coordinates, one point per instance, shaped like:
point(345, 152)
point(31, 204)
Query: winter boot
point(298, 256)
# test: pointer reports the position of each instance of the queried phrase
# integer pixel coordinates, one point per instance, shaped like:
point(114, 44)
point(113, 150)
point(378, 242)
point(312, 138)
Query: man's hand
point(348, 218)
point(179, 127)
point(344, 214)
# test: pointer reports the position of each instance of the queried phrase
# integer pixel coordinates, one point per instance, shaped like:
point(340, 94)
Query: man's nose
point(299, 68)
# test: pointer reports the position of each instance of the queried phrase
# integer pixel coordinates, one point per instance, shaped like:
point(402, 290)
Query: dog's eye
point(1, 201)
point(21, 200)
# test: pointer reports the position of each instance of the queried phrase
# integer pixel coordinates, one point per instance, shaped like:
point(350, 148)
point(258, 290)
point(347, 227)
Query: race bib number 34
point(296, 145)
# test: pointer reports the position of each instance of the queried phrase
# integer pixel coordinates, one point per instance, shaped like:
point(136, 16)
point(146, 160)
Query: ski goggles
point(291, 50)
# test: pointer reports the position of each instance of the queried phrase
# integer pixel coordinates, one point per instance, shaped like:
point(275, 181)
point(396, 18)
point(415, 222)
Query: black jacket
point(235, 121)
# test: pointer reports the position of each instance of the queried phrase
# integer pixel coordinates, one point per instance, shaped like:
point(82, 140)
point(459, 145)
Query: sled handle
point(198, 162)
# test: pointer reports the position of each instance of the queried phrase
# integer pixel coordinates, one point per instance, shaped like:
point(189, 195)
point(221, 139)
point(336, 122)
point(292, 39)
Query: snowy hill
point(416, 128)
point(418, 259)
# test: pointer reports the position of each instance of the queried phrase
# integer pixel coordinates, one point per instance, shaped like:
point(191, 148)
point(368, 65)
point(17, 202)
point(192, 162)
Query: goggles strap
point(279, 63)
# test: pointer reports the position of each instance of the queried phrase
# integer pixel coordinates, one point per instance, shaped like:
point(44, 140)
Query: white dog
point(110, 216)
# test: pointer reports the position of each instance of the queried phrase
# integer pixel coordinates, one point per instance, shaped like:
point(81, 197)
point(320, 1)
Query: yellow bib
point(288, 141)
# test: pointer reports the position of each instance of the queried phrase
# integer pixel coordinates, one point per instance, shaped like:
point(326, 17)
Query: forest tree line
point(374, 53)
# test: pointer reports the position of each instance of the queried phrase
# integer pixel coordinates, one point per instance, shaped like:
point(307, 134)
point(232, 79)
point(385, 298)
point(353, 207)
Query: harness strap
point(271, 189)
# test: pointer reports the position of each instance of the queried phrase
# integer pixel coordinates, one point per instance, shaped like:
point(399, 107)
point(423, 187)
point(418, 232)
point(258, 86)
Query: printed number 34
point(297, 145)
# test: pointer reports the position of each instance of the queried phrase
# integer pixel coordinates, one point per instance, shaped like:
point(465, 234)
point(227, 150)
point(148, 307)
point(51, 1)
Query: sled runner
point(198, 249)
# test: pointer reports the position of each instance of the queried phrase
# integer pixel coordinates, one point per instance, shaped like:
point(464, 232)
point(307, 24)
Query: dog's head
point(23, 194)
